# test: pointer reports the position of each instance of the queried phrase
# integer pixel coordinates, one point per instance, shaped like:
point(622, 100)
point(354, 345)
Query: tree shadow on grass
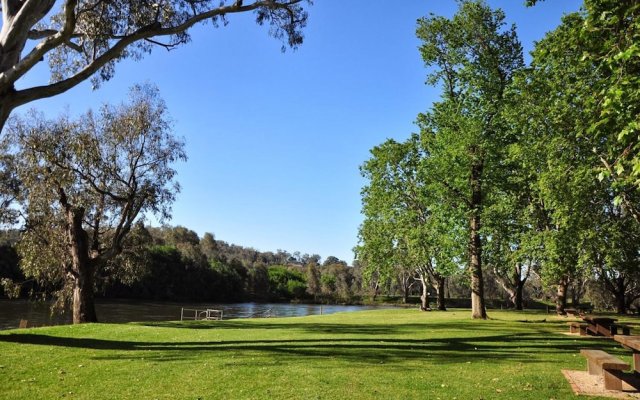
point(346, 328)
point(366, 349)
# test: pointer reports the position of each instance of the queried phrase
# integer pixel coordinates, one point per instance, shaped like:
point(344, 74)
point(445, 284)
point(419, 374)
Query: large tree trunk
point(519, 285)
point(478, 309)
point(619, 293)
point(424, 297)
point(440, 282)
point(83, 300)
point(519, 291)
point(5, 110)
point(82, 269)
point(561, 296)
point(618, 288)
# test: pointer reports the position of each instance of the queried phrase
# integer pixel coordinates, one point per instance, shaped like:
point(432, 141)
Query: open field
point(385, 354)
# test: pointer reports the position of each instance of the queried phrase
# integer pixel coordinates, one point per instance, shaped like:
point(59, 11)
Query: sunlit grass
point(386, 354)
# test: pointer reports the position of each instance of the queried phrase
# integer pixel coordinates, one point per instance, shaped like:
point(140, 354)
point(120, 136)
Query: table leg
point(636, 362)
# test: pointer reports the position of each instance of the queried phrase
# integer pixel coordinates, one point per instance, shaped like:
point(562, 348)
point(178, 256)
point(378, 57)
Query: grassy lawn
point(385, 354)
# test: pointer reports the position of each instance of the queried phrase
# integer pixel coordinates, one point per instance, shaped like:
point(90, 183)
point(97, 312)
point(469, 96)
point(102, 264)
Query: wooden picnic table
point(631, 342)
point(600, 325)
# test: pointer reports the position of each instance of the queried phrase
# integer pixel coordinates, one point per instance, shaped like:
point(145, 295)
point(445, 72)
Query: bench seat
point(610, 367)
point(619, 329)
point(578, 327)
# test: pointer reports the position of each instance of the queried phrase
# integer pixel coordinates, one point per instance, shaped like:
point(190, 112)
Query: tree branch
point(146, 32)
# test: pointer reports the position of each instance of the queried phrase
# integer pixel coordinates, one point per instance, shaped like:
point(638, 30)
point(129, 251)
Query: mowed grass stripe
point(386, 354)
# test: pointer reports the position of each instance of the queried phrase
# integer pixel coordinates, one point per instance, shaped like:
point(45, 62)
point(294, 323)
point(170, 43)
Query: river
point(119, 311)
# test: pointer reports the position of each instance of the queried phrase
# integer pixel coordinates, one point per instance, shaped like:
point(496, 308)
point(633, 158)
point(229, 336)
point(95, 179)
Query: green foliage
point(285, 283)
point(313, 279)
point(328, 282)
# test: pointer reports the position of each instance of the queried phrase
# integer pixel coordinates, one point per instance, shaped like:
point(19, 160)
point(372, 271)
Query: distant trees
point(313, 279)
point(86, 182)
point(174, 263)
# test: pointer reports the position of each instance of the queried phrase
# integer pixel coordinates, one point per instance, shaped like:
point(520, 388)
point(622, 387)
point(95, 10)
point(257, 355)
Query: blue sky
point(275, 139)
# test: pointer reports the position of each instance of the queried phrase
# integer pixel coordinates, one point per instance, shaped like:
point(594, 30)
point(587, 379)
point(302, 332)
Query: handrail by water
point(194, 314)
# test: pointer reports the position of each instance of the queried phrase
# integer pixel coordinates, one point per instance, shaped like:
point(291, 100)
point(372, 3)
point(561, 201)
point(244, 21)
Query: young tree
point(475, 59)
point(87, 182)
point(405, 234)
point(84, 39)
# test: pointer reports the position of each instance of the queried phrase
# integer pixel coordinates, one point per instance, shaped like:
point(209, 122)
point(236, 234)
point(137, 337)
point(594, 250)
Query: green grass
point(386, 354)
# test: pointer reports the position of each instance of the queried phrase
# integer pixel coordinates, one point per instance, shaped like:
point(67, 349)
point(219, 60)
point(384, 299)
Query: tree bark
point(440, 286)
point(478, 309)
point(82, 268)
point(424, 297)
point(618, 288)
point(83, 298)
point(376, 288)
point(5, 110)
point(621, 288)
point(519, 291)
point(561, 296)
point(519, 285)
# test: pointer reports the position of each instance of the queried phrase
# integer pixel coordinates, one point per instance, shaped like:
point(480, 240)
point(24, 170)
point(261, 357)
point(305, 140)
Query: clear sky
point(275, 139)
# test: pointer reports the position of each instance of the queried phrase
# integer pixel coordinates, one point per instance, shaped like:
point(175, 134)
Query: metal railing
point(200, 315)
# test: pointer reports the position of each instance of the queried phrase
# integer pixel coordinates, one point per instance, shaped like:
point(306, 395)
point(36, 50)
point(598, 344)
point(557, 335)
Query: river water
point(118, 311)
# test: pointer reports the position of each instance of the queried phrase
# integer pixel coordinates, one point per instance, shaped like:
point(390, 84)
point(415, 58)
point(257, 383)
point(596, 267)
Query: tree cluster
point(525, 173)
point(174, 263)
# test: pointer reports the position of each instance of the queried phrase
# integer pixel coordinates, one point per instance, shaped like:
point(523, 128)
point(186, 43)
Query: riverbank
point(126, 310)
point(383, 354)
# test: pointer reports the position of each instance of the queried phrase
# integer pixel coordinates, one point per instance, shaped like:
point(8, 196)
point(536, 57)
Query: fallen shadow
point(373, 348)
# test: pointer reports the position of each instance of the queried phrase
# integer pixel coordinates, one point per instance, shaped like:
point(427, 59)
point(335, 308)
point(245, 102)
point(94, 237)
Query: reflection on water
point(38, 314)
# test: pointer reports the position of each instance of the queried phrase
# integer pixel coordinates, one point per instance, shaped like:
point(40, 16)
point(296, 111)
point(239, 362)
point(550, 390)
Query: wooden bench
point(571, 312)
point(578, 327)
point(618, 329)
point(610, 367)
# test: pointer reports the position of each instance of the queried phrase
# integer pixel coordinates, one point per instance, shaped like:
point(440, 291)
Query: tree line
point(518, 170)
point(174, 263)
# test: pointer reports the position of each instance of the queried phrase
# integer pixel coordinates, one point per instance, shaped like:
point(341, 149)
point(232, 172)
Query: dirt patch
point(578, 335)
point(584, 384)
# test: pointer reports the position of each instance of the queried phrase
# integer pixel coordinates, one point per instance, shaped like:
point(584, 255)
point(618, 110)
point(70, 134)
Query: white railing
point(198, 315)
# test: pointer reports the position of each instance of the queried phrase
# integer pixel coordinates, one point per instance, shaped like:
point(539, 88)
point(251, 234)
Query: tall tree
point(474, 57)
point(84, 39)
point(87, 182)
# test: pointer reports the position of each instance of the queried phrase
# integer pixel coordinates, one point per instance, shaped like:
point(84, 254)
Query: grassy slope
point(386, 354)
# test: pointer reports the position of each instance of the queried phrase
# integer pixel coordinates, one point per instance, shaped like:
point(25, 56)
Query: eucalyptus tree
point(473, 56)
point(87, 182)
point(84, 39)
